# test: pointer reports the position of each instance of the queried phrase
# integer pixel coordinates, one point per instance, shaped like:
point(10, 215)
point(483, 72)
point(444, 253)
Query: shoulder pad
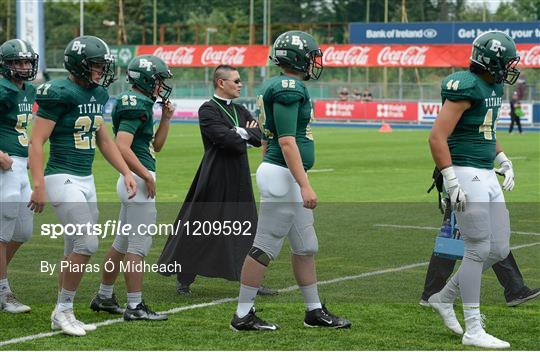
point(6, 93)
point(52, 91)
point(6, 85)
point(288, 91)
point(130, 105)
point(459, 86)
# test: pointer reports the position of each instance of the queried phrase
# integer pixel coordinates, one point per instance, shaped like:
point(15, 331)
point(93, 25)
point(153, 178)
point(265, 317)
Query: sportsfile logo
point(78, 47)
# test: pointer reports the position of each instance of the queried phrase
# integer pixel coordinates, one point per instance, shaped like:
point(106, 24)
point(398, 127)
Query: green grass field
point(365, 179)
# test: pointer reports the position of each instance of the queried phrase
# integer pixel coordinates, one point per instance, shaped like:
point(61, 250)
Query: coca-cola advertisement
point(387, 111)
point(454, 55)
point(429, 55)
point(203, 55)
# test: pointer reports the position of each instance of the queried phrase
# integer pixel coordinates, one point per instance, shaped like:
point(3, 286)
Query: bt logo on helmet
point(296, 41)
point(145, 64)
point(78, 47)
point(496, 45)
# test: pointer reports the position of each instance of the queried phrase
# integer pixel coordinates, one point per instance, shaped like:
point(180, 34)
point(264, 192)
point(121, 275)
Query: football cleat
point(65, 320)
point(321, 317)
point(265, 291)
point(86, 327)
point(9, 303)
point(446, 311)
point(110, 305)
point(251, 322)
point(478, 337)
point(525, 296)
point(424, 303)
point(142, 312)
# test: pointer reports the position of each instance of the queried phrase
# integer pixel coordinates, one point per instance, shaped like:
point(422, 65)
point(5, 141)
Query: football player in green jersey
point(464, 146)
point(287, 198)
point(18, 64)
point(133, 125)
point(70, 117)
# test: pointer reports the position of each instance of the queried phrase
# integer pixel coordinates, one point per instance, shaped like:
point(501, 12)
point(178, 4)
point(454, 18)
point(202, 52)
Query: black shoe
point(321, 317)
point(142, 312)
point(251, 322)
point(182, 289)
point(265, 291)
point(525, 296)
point(106, 304)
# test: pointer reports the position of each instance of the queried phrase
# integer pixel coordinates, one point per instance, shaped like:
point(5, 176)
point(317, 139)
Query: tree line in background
point(186, 22)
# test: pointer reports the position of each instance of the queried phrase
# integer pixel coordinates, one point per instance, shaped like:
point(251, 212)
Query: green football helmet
point(15, 50)
point(299, 52)
point(86, 51)
point(146, 72)
point(495, 52)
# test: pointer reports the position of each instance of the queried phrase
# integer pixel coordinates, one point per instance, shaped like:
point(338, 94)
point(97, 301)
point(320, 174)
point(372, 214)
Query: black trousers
point(185, 278)
point(507, 272)
point(516, 120)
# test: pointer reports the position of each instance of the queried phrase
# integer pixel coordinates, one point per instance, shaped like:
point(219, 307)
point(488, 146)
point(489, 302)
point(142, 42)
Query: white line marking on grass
point(430, 228)
point(314, 171)
point(233, 299)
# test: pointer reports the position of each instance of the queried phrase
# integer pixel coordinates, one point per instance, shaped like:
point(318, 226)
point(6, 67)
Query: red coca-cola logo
point(353, 56)
point(530, 57)
point(230, 56)
point(181, 56)
point(412, 56)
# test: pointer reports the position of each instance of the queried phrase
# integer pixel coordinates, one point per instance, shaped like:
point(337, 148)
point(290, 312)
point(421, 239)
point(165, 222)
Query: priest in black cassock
point(218, 219)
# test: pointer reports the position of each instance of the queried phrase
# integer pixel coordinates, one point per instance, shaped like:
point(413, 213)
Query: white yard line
point(233, 299)
point(430, 228)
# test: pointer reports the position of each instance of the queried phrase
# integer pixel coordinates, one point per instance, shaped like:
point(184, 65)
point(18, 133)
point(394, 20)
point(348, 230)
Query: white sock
point(311, 297)
point(471, 313)
point(133, 299)
point(106, 290)
point(246, 300)
point(4, 287)
point(65, 300)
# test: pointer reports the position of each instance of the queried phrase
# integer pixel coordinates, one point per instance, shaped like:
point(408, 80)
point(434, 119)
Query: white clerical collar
point(228, 101)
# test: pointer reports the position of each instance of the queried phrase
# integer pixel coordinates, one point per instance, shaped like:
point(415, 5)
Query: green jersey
point(286, 91)
point(78, 113)
point(472, 143)
point(133, 114)
point(15, 115)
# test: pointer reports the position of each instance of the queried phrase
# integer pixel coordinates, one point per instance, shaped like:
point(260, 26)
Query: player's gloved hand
point(505, 169)
point(5, 161)
point(458, 197)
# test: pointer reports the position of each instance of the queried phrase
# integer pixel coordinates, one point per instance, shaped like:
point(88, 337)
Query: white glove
point(505, 169)
point(458, 197)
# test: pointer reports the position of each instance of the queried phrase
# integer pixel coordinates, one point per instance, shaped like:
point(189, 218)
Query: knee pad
point(259, 256)
point(139, 245)
point(475, 224)
point(477, 250)
point(500, 224)
point(309, 245)
point(86, 245)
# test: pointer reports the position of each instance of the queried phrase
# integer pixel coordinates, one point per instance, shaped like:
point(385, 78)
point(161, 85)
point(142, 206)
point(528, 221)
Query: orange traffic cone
point(385, 128)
